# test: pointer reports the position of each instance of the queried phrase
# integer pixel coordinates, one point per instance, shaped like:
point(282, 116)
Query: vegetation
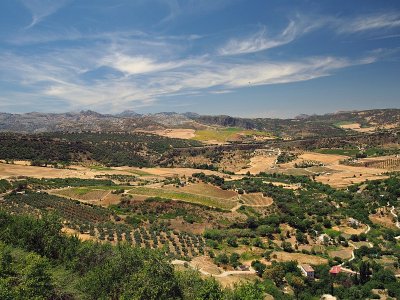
point(39, 262)
point(194, 198)
point(137, 149)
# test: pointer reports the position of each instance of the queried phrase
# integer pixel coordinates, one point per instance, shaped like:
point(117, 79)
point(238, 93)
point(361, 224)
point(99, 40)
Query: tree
point(234, 260)
point(297, 283)
point(210, 290)
point(232, 241)
point(265, 230)
point(276, 273)
point(259, 267)
point(5, 261)
point(384, 276)
point(364, 272)
point(221, 259)
point(287, 246)
point(247, 291)
point(36, 282)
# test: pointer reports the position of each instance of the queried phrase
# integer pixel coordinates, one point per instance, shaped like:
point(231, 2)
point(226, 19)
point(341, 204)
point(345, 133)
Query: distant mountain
point(128, 114)
point(170, 118)
point(74, 122)
point(191, 115)
point(129, 121)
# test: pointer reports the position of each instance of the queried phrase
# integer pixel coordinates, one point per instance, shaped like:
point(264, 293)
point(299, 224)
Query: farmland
point(223, 135)
point(193, 198)
point(247, 208)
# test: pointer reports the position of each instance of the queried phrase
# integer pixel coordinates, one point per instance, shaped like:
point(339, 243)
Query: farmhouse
point(335, 270)
point(353, 222)
point(243, 268)
point(307, 271)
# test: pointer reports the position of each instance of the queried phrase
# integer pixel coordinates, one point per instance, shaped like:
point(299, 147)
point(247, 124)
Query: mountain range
point(129, 121)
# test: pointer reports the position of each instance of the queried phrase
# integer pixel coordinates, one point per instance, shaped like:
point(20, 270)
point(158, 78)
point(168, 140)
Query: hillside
point(336, 124)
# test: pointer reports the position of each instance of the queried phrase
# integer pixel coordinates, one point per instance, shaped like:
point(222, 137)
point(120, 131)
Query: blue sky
point(248, 58)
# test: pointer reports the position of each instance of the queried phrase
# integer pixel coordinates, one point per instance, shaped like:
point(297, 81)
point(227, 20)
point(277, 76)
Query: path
point(355, 247)
point(279, 153)
point(397, 221)
point(223, 274)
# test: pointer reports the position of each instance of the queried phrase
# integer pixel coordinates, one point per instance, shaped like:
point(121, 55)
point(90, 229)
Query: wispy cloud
point(262, 40)
point(41, 9)
point(132, 65)
point(113, 70)
point(258, 42)
point(61, 76)
point(370, 22)
point(189, 7)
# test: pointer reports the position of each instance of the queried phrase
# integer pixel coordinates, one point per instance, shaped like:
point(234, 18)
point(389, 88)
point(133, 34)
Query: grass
point(225, 134)
point(341, 123)
point(186, 197)
point(138, 172)
point(348, 152)
point(81, 191)
point(332, 233)
point(248, 255)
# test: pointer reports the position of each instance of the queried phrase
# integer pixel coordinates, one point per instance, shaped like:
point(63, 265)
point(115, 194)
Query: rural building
point(353, 222)
point(243, 268)
point(324, 238)
point(335, 270)
point(307, 271)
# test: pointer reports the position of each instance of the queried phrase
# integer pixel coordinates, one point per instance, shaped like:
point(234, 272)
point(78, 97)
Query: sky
point(249, 58)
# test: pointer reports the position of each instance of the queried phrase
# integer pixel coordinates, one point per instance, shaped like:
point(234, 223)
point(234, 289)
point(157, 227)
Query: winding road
point(347, 270)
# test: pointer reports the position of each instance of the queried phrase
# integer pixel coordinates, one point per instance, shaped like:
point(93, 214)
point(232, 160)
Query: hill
point(336, 124)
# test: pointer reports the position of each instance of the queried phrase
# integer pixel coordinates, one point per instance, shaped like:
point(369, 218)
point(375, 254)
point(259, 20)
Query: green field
point(186, 197)
point(341, 123)
point(81, 191)
point(226, 134)
point(138, 172)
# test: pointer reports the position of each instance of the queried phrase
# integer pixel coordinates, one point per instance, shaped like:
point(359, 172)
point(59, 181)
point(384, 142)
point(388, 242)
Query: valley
point(231, 205)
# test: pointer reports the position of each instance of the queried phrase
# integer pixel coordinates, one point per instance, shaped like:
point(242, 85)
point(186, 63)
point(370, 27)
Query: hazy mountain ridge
point(129, 121)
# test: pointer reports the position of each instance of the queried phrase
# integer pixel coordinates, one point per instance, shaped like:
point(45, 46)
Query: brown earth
point(300, 257)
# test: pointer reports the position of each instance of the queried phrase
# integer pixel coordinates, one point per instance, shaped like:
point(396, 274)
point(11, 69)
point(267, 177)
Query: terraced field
point(84, 193)
point(102, 197)
point(183, 196)
point(204, 189)
point(256, 199)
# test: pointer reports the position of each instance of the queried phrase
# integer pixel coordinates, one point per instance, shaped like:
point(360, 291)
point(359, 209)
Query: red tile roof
point(335, 270)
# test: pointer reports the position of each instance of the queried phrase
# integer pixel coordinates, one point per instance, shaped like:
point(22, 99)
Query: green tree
point(234, 259)
point(365, 272)
point(259, 267)
point(36, 282)
point(156, 281)
point(276, 273)
point(297, 283)
point(247, 291)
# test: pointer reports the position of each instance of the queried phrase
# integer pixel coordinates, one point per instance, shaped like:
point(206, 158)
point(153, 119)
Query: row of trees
point(90, 270)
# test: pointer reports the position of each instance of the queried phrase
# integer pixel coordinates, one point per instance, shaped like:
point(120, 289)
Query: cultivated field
point(259, 163)
point(204, 189)
point(182, 196)
point(300, 257)
point(223, 135)
point(332, 172)
point(256, 199)
point(176, 133)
